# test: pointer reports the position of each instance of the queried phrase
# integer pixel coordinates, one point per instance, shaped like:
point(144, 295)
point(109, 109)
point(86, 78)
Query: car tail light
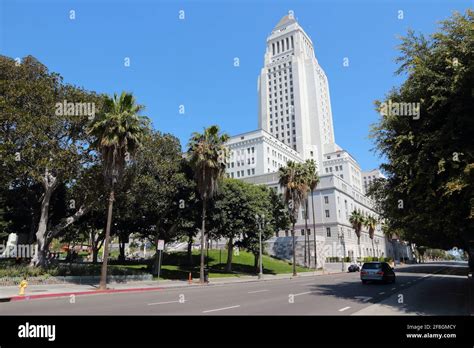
point(379, 273)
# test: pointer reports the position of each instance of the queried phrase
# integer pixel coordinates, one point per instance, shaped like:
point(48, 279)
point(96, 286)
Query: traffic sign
point(161, 244)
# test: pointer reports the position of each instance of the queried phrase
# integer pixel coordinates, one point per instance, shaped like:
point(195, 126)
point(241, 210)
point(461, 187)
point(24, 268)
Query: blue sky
point(190, 62)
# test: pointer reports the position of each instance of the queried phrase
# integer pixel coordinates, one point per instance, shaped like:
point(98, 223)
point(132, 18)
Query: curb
point(76, 293)
point(111, 291)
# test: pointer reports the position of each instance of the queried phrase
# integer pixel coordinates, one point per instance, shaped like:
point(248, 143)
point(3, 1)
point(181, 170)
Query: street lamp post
point(260, 222)
point(341, 237)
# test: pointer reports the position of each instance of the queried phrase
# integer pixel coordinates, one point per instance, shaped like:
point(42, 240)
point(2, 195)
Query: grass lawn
point(175, 265)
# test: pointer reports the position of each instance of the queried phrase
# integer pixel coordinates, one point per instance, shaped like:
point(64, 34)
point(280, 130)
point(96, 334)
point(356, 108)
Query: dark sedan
point(377, 271)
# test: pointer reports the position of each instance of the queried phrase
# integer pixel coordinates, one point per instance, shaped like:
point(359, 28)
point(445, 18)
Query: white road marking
point(381, 293)
point(220, 309)
point(303, 293)
point(393, 288)
point(256, 291)
point(158, 303)
point(363, 298)
point(344, 309)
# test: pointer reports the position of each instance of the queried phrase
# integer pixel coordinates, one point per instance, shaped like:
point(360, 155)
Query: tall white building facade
point(295, 123)
point(294, 102)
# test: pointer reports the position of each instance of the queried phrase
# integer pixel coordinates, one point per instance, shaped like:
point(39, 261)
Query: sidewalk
point(10, 293)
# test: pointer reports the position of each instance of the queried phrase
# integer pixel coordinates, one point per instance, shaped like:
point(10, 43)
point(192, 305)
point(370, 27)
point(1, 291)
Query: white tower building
point(294, 103)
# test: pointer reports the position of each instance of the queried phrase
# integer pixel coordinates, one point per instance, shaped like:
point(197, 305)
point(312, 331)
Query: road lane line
point(394, 288)
point(344, 309)
point(220, 309)
point(303, 293)
point(381, 293)
point(256, 291)
point(158, 303)
point(363, 298)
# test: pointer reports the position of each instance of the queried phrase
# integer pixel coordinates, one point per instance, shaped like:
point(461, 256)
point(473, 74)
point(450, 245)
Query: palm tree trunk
point(360, 252)
point(294, 249)
point(306, 236)
point(103, 273)
point(203, 241)
point(314, 234)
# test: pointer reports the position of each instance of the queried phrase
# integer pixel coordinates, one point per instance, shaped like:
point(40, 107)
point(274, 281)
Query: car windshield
point(372, 265)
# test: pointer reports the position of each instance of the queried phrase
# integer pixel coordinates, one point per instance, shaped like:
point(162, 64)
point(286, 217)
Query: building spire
point(286, 20)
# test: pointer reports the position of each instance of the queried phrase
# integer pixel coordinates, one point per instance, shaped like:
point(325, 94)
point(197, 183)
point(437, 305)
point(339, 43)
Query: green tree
point(231, 213)
point(357, 221)
point(371, 223)
point(313, 180)
point(159, 201)
point(294, 182)
point(207, 156)
point(428, 194)
point(258, 204)
point(40, 144)
point(117, 132)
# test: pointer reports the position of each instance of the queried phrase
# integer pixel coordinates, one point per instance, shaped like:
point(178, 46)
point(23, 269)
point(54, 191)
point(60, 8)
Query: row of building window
point(241, 173)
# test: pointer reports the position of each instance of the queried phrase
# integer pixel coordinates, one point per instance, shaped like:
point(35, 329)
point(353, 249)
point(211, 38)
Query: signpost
point(160, 247)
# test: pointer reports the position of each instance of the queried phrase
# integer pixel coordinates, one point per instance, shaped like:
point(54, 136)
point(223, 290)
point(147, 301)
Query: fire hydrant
point(23, 285)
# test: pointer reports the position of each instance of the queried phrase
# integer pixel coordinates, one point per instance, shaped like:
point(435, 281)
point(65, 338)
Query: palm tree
point(208, 157)
point(295, 187)
point(117, 133)
point(357, 220)
point(370, 222)
point(313, 180)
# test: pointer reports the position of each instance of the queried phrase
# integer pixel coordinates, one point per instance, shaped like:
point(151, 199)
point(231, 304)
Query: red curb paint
point(78, 293)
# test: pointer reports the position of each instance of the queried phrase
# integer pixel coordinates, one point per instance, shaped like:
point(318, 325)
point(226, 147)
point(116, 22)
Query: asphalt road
point(426, 289)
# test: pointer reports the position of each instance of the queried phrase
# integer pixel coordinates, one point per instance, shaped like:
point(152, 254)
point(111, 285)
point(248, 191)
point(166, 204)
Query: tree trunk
point(294, 249)
point(203, 241)
point(256, 263)
point(40, 257)
point(121, 251)
point(103, 273)
point(190, 249)
point(314, 234)
point(230, 249)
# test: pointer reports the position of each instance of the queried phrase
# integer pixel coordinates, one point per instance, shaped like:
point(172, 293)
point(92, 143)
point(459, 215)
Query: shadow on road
point(449, 284)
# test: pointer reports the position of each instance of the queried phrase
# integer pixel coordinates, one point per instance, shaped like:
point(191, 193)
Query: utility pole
point(341, 236)
point(260, 222)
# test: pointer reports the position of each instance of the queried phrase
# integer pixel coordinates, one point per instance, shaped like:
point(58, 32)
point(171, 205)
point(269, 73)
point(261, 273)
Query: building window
point(327, 213)
point(328, 231)
point(326, 199)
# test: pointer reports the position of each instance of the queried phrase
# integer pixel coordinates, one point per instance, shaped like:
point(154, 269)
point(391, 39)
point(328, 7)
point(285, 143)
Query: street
point(438, 288)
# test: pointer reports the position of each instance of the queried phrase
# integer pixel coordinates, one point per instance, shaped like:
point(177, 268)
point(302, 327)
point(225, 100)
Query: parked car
point(354, 268)
point(377, 271)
